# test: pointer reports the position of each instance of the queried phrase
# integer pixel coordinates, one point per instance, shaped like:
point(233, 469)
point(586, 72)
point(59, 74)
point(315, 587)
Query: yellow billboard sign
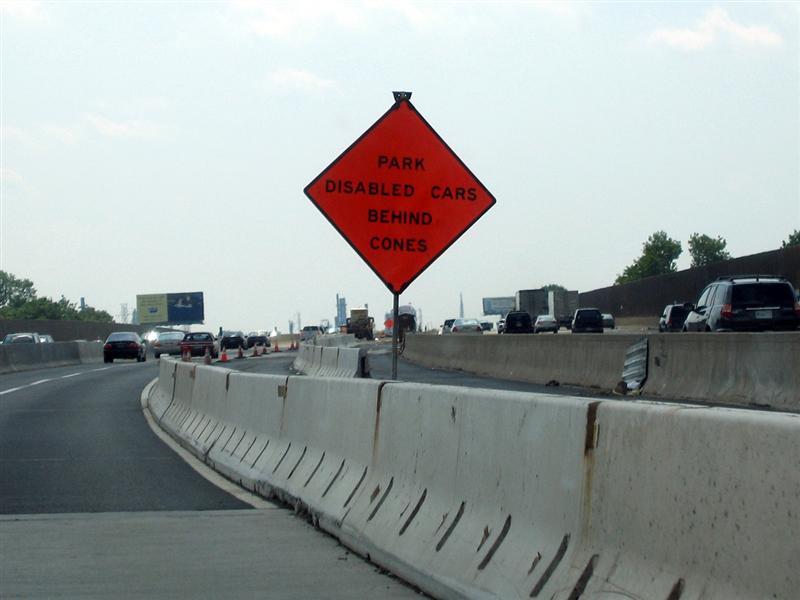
point(152, 308)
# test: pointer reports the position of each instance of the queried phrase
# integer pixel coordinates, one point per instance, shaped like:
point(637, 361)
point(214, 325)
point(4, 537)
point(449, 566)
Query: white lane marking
point(201, 468)
point(71, 375)
point(100, 369)
point(38, 382)
point(9, 390)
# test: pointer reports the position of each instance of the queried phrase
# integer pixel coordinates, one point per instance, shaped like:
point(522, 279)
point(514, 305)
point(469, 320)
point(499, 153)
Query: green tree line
point(19, 300)
point(660, 253)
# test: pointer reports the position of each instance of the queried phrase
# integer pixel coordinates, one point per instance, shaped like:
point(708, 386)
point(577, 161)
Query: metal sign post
point(395, 333)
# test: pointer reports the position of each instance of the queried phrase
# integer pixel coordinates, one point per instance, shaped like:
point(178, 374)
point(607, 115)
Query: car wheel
point(110, 359)
point(158, 355)
point(144, 357)
point(106, 359)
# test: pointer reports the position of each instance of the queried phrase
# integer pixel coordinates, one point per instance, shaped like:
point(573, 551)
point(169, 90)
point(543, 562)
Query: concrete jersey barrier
point(25, 357)
point(730, 368)
point(330, 361)
point(472, 493)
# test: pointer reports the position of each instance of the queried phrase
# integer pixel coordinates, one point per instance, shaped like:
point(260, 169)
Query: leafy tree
point(659, 254)
point(15, 291)
point(554, 287)
point(792, 240)
point(18, 300)
point(706, 250)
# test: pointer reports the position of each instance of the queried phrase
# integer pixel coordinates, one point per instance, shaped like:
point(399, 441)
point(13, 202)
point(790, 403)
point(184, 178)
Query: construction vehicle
point(360, 324)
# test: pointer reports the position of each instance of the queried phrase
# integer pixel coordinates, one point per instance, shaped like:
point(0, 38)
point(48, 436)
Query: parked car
point(545, 323)
point(257, 338)
point(21, 338)
point(587, 320)
point(518, 321)
point(487, 325)
point(46, 338)
point(446, 326)
point(673, 317)
point(232, 340)
point(167, 342)
point(746, 303)
point(501, 326)
point(608, 321)
point(309, 332)
point(466, 326)
point(197, 342)
point(124, 344)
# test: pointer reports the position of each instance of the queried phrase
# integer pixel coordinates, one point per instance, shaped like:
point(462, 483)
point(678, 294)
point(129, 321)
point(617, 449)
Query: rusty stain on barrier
point(591, 428)
point(282, 391)
point(496, 545)
point(548, 573)
point(377, 429)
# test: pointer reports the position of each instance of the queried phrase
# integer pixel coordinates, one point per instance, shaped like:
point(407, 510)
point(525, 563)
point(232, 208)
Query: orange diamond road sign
point(399, 195)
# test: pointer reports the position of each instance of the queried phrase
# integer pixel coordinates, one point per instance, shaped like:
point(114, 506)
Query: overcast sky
point(163, 146)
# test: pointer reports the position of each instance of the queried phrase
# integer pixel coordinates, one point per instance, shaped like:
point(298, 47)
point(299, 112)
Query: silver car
point(168, 342)
point(466, 326)
point(545, 323)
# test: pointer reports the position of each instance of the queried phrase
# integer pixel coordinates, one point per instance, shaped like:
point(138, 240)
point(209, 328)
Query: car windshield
point(171, 336)
point(518, 319)
point(123, 336)
point(678, 312)
point(197, 337)
point(588, 315)
point(746, 295)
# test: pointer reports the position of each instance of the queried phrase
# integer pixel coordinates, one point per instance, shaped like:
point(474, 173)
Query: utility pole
point(460, 305)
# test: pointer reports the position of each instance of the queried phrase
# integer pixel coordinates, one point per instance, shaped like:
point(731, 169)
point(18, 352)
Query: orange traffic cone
point(223, 357)
point(240, 353)
point(186, 354)
point(207, 356)
point(277, 348)
point(256, 350)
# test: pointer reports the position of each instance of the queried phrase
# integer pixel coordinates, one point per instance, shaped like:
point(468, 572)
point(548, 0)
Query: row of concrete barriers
point(331, 361)
point(335, 339)
point(24, 357)
point(472, 493)
point(731, 368)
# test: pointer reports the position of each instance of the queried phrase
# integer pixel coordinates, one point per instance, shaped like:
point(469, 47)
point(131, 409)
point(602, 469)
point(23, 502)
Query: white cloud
point(26, 10)
point(122, 129)
point(298, 79)
point(715, 24)
point(301, 19)
point(14, 179)
point(561, 8)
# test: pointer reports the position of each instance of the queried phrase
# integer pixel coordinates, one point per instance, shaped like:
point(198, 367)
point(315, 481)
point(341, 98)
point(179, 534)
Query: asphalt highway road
point(94, 504)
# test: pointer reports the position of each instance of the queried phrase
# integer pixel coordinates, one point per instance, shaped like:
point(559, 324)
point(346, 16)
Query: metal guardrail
point(634, 370)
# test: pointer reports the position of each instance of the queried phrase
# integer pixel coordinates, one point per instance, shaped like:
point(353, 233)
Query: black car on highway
point(587, 320)
point(232, 340)
point(124, 344)
point(257, 338)
point(746, 303)
point(518, 321)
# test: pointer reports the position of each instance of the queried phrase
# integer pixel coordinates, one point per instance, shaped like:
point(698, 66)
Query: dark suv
point(746, 303)
point(587, 320)
point(518, 322)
